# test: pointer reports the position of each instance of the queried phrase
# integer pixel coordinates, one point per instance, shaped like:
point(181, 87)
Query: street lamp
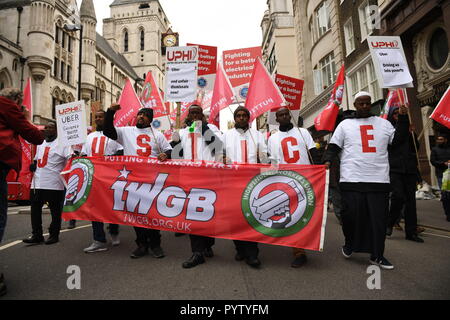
point(76, 27)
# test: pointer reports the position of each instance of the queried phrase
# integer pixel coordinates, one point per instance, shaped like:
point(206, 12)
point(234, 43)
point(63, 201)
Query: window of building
point(56, 34)
point(69, 74)
point(349, 36)
point(324, 74)
point(272, 60)
point(365, 79)
point(364, 20)
point(56, 67)
point(63, 39)
point(142, 40)
point(125, 41)
point(69, 44)
point(63, 65)
point(15, 64)
point(438, 49)
point(322, 19)
point(144, 6)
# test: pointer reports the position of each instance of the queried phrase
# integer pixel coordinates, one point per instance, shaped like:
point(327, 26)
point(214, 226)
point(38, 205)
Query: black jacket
point(438, 158)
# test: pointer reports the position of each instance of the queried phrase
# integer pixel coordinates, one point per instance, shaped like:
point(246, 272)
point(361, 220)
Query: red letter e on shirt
point(365, 137)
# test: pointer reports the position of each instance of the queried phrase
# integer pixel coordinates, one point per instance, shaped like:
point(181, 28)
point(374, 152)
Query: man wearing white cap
point(364, 179)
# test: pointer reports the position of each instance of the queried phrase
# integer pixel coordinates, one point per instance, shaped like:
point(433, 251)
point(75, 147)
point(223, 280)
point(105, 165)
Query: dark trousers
point(403, 194)
point(3, 199)
point(55, 200)
point(246, 249)
point(148, 237)
point(199, 243)
point(364, 221)
point(99, 232)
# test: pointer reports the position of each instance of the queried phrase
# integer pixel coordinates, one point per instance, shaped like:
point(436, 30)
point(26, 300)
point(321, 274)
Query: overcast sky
point(226, 24)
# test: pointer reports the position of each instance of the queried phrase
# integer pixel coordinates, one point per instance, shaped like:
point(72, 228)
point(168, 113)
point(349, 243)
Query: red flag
point(263, 93)
point(395, 98)
point(327, 118)
point(151, 97)
point(130, 105)
point(222, 95)
point(28, 100)
point(441, 113)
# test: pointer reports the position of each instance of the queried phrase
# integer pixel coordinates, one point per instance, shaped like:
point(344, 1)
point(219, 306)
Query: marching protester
point(404, 176)
point(97, 144)
point(13, 124)
point(291, 145)
point(47, 185)
point(364, 177)
point(198, 141)
point(243, 144)
point(140, 140)
point(440, 159)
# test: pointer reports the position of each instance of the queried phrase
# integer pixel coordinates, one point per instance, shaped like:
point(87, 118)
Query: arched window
point(125, 41)
point(142, 40)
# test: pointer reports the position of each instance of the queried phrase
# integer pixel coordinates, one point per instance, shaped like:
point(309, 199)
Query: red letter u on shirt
point(365, 137)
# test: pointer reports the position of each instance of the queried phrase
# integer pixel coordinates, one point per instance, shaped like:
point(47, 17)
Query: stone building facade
point(35, 42)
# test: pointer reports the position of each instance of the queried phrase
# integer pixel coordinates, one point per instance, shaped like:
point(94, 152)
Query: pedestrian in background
point(404, 173)
point(440, 159)
point(13, 124)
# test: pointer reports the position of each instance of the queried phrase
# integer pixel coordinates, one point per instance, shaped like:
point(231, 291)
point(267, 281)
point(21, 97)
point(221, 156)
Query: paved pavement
point(40, 272)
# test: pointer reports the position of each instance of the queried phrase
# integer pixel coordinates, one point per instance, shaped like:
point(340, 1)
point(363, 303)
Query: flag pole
point(402, 102)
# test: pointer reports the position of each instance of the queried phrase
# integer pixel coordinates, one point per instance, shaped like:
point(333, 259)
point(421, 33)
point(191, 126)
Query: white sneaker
point(96, 246)
point(115, 240)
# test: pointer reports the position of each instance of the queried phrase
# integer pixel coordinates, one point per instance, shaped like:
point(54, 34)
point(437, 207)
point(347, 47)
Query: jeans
point(3, 199)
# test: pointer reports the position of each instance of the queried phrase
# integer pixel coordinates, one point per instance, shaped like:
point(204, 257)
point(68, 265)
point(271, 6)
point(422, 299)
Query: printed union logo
point(243, 92)
point(202, 82)
point(79, 185)
point(278, 203)
point(156, 124)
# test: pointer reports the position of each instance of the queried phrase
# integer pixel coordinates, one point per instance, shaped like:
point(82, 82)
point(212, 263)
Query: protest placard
point(71, 123)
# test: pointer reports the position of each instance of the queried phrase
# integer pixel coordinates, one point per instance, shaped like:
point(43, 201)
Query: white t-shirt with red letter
point(194, 144)
point(364, 143)
point(51, 160)
point(145, 142)
point(290, 147)
point(97, 144)
point(243, 147)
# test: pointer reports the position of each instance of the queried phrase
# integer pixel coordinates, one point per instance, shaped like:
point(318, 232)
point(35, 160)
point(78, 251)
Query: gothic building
point(40, 39)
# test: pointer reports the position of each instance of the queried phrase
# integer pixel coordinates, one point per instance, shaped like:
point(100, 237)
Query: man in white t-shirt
point(140, 140)
point(243, 144)
point(47, 185)
point(291, 145)
point(198, 141)
point(98, 145)
point(364, 177)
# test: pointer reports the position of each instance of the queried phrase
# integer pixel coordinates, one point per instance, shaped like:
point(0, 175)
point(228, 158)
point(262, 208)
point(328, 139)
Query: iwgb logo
point(79, 185)
point(189, 54)
point(278, 203)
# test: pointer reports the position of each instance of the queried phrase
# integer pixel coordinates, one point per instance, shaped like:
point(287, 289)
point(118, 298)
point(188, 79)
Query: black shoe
point(415, 238)
point(346, 252)
point(72, 224)
point(299, 261)
point(381, 262)
point(253, 262)
point(157, 252)
point(196, 259)
point(208, 253)
point(178, 234)
point(52, 240)
point(239, 257)
point(3, 288)
point(139, 252)
point(389, 231)
point(33, 240)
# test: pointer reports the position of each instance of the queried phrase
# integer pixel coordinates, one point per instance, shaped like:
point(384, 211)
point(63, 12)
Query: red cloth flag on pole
point(395, 98)
point(441, 113)
point(327, 118)
point(129, 106)
point(263, 93)
point(222, 95)
point(151, 97)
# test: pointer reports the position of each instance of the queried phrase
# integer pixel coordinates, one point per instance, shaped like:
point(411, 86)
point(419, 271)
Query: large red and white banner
point(286, 206)
point(239, 65)
point(441, 113)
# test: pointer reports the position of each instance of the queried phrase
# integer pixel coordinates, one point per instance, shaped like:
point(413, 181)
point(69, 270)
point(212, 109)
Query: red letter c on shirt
point(285, 147)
